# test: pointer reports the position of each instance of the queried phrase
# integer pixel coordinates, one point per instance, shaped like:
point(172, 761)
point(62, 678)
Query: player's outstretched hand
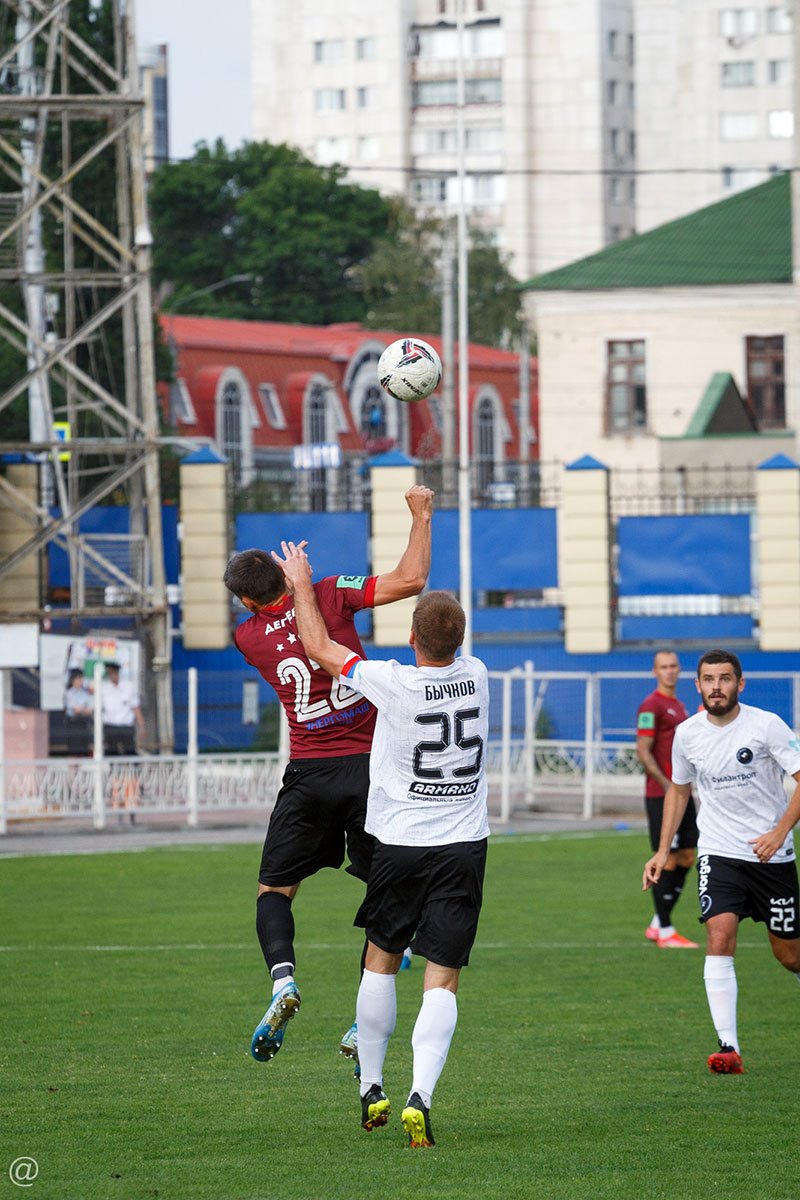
point(652, 870)
point(420, 500)
point(294, 564)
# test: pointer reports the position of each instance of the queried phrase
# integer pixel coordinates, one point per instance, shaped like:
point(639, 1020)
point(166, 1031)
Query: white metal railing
point(527, 769)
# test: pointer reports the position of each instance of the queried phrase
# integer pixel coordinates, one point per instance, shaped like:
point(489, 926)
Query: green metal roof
point(721, 410)
point(744, 239)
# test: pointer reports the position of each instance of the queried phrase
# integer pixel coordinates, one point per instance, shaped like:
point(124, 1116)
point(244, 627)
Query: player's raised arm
point(313, 632)
point(411, 573)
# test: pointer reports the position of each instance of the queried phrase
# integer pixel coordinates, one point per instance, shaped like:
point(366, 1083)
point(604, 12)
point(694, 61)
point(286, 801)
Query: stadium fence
point(560, 743)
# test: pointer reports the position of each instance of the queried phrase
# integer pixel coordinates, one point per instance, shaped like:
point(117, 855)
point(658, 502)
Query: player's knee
point(685, 858)
point(788, 955)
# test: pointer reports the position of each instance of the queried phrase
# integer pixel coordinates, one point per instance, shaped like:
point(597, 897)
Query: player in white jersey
point(427, 810)
point(736, 756)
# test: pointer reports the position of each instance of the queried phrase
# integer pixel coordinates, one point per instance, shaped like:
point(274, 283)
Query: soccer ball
point(409, 369)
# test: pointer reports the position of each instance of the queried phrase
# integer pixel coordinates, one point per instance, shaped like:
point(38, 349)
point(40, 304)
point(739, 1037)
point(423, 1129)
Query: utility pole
point(99, 274)
point(449, 368)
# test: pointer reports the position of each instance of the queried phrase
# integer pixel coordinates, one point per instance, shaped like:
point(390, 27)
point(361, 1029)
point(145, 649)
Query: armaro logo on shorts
point(745, 755)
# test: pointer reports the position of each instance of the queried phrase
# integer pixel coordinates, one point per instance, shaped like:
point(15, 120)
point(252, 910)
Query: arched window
point(317, 417)
point(374, 418)
point(484, 443)
point(234, 427)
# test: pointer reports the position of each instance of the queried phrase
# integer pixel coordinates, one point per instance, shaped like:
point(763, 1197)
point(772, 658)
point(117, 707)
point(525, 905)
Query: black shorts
point(119, 740)
point(320, 808)
point(686, 833)
point(435, 891)
point(764, 891)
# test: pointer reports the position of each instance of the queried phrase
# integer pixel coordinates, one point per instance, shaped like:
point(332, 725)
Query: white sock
point(376, 1014)
point(655, 923)
point(433, 1033)
point(722, 990)
point(666, 931)
point(277, 984)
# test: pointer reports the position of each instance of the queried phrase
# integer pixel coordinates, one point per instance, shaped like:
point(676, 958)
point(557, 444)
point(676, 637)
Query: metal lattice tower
point(82, 270)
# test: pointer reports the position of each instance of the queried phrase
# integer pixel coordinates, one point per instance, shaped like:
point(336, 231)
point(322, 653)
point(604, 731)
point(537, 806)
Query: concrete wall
point(204, 553)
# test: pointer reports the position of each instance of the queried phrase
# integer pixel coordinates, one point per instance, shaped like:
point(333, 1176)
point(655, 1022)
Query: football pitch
point(130, 984)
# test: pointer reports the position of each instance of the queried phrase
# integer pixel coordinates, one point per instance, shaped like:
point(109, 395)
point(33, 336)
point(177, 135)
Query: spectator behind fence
point(122, 715)
point(78, 700)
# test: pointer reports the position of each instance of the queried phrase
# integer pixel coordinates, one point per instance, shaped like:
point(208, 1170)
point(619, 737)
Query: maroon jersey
point(657, 718)
point(326, 719)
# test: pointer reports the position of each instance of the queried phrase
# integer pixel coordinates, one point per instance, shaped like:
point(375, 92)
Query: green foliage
point(265, 211)
point(132, 983)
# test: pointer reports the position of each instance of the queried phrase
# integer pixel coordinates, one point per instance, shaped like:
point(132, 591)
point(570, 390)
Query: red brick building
point(265, 393)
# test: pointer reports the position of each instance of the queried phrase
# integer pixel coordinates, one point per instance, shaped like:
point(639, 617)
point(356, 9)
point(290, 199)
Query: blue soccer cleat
point(268, 1037)
point(348, 1046)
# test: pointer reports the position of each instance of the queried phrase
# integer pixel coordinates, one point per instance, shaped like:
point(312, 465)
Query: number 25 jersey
point(427, 773)
point(327, 719)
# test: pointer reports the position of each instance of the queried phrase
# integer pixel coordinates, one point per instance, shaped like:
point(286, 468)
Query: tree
point(298, 231)
point(402, 281)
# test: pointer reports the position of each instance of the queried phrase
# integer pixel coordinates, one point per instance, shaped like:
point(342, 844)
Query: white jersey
point(428, 760)
point(738, 770)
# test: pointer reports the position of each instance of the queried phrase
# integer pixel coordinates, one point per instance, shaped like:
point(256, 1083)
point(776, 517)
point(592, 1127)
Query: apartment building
point(548, 90)
point(714, 101)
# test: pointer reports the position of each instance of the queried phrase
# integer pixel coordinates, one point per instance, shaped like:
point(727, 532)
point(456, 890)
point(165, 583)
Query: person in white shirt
point(427, 809)
point(122, 715)
point(737, 756)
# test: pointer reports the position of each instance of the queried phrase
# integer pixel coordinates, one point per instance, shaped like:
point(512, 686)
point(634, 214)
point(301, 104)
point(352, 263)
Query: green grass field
point(130, 984)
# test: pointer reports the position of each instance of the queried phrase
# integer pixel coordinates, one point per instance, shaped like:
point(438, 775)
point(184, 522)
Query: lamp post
point(464, 491)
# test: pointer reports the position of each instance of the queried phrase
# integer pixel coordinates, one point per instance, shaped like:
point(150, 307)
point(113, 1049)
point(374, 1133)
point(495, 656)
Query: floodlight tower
point(75, 308)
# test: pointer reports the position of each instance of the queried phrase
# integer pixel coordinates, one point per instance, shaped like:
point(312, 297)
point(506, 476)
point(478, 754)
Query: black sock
point(680, 874)
point(275, 929)
point(664, 894)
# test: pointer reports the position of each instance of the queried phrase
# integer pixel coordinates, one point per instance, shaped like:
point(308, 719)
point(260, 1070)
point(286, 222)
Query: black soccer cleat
point(417, 1123)
point(375, 1108)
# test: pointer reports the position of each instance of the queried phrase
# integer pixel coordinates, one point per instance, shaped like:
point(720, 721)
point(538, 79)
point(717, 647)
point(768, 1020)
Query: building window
point(632, 190)
point(232, 409)
point(434, 91)
point(738, 22)
point(366, 48)
point(625, 387)
point(736, 179)
point(483, 91)
point(766, 387)
point(779, 70)
point(328, 150)
point(437, 43)
point(369, 148)
point(483, 138)
point(436, 141)
point(430, 189)
point(735, 127)
point(486, 189)
point(614, 91)
point(374, 417)
point(781, 124)
point(271, 406)
point(484, 444)
point(619, 142)
point(615, 190)
point(613, 43)
point(329, 99)
point(737, 74)
point(331, 50)
point(365, 97)
point(317, 434)
point(779, 20)
point(484, 40)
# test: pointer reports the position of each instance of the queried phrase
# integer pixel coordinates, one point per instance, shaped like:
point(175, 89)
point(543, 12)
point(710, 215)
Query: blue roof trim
point(587, 463)
point(779, 462)
point(204, 455)
point(392, 458)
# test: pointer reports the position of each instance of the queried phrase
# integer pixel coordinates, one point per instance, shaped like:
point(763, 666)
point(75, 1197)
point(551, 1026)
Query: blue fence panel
point(512, 549)
point(337, 542)
point(684, 555)
point(718, 629)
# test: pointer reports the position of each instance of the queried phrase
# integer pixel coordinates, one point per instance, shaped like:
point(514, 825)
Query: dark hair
point(255, 574)
point(74, 674)
point(664, 650)
point(713, 657)
point(438, 625)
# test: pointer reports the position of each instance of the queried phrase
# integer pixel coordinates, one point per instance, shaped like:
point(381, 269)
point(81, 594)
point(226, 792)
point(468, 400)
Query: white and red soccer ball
point(409, 369)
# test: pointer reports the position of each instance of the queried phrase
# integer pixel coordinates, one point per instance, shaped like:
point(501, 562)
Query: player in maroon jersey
point(658, 715)
point(321, 805)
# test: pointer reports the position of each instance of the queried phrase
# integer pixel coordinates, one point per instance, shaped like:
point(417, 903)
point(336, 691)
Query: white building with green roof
point(675, 347)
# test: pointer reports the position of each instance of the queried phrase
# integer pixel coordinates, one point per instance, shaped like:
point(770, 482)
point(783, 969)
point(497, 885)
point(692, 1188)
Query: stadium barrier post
point(588, 760)
point(505, 755)
point(530, 734)
point(99, 806)
point(796, 702)
point(191, 749)
point(3, 817)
